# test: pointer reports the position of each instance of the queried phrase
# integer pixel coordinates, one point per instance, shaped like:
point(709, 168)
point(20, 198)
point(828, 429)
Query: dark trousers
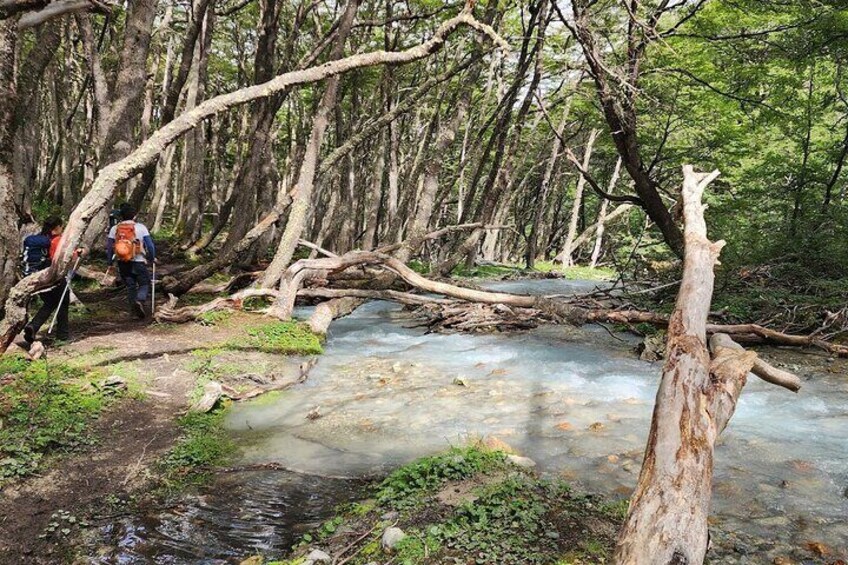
point(137, 278)
point(50, 301)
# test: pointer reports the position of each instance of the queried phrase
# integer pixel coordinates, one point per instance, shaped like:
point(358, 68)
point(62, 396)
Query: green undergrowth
point(503, 271)
point(484, 271)
point(45, 408)
point(576, 272)
point(468, 506)
point(284, 338)
point(203, 444)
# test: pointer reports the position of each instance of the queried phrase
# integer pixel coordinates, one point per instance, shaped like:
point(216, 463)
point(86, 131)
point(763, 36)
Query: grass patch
point(44, 408)
point(576, 272)
point(408, 486)
point(503, 514)
point(285, 338)
point(214, 317)
point(203, 444)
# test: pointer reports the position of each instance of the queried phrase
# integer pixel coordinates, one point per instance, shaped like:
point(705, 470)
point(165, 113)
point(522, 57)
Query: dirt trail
point(40, 516)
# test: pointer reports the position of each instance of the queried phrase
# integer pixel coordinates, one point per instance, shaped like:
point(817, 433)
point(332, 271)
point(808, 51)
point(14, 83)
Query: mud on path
point(42, 516)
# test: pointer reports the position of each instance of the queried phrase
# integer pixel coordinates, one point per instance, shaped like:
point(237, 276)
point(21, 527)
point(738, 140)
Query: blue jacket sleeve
point(110, 250)
point(149, 248)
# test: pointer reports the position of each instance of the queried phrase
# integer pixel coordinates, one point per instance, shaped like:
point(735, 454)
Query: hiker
point(38, 253)
point(129, 243)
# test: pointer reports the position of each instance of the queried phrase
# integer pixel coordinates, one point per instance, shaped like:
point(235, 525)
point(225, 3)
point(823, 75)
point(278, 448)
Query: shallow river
point(575, 400)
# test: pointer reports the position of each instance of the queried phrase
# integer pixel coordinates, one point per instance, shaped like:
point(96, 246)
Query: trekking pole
point(69, 277)
point(106, 274)
point(153, 291)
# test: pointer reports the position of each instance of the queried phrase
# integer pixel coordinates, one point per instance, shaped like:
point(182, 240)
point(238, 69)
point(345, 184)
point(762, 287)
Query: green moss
point(214, 318)
point(44, 407)
point(407, 486)
point(419, 267)
point(286, 338)
point(204, 443)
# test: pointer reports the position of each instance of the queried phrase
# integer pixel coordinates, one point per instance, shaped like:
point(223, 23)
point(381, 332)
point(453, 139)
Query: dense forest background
point(472, 133)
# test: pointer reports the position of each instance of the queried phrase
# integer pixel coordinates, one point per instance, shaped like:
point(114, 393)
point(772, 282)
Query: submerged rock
point(317, 556)
point(392, 537)
point(523, 462)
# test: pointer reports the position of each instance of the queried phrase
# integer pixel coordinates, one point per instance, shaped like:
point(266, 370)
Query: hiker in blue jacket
point(38, 253)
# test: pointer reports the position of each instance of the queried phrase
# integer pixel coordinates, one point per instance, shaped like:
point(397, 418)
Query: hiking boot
point(139, 310)
point(29, 334)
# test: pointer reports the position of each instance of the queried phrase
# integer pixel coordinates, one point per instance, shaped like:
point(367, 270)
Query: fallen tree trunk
point(328, 311)
point(666, 523)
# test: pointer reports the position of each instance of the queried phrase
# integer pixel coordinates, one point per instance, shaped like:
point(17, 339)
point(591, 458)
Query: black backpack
point(35, 256)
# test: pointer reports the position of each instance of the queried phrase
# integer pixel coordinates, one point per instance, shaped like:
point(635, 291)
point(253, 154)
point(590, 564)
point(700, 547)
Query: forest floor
point(103, 419)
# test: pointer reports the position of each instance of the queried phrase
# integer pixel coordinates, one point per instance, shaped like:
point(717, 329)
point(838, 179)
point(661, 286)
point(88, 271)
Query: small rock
point(115, 382)
point(783, 561)
point(317, 556)
point(390, 516)
point(314, 414)
point(612, 458)
point(845, 492)
point(396, 368)
point(391, 537)
point(459, 381)
point(596, 427)
point(818, 548)
point(36, 350)
point(564, 426)
point(523, 462)
point(774, 521)
point(255, 560)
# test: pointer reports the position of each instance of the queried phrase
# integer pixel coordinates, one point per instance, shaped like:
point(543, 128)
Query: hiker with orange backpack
point(129, 243)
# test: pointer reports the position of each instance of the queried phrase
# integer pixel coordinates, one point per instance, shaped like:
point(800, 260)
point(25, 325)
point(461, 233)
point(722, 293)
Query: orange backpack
point(127, 245)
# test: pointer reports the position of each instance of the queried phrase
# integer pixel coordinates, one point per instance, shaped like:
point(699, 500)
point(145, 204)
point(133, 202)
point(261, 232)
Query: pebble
point(317, 556)
point(391, 537)
point(459, 382)
point(523, 462)
point(390, 516)
point(774, 521)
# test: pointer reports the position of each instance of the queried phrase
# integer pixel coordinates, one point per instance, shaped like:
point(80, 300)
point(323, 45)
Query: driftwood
point(465, 317)
point(551, 308)
point(170, 313)
point(328, 311)
point(213, 391)
point(761, 368)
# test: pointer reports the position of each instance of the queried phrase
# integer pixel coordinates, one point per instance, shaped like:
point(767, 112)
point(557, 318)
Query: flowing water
point(575, 400)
